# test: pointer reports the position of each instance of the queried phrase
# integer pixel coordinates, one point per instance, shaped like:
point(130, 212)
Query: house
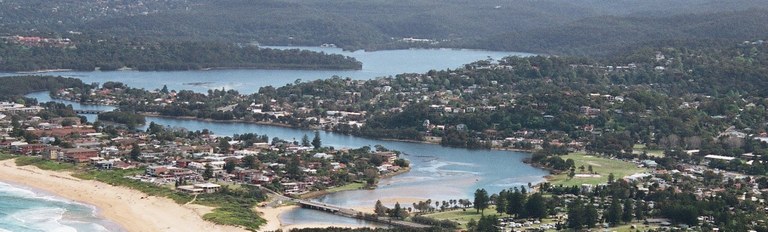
point(105, 164)
point(208, 187)
point(30, 149)
point(200, 188)
point(650, 163)
point(719, 157)
point(79, 155)
point(156, 170)
point(387, 156)
point(321, 155)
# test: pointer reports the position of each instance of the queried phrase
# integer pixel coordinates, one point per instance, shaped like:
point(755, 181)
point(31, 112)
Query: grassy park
point(602, 167)
point(640, 148)
point(462, 216)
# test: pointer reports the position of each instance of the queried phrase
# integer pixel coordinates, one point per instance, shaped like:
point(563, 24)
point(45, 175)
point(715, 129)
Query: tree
point(165, 89)
point(611, 178)
point(640, 210)
point(626, 216)
point(501, 202)
point(224, 145)
point(135, 152)
point(293, 168)
point(515, 202)
point(576, 216)
point(305, 141)
point(487, 224)
point(208, 172)
point(614, 212)
point(249, 161)
point(590, 216)
point(380, 209)
point(316, 141)
point(396, 212)
point(472, 225)
point(481, 200)
point(229, 166)
point(535, 207)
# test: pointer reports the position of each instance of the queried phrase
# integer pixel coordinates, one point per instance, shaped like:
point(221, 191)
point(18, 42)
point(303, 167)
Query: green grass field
point(347, 187)
point(462, 217)
point(44, 164)
point(602, 166)
point(640, 148)
point(4, 156)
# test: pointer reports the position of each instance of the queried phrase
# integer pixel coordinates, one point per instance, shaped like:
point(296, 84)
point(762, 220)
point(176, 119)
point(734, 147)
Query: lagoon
point(439, 173)
point(375, 64)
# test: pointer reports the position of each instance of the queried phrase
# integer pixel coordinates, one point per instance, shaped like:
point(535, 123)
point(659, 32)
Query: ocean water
point(26, 210)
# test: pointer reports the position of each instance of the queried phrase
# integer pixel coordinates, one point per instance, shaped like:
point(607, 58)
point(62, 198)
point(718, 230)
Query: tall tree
point(305, 141)
point(640, 210)
point(135, 152)
point(208, 172)
point(516, 202)
point(487, 224)
point(576, 216)
point(229, 166)
point(590, 216)
point(614, 212)
point(536, 207)
point(316, 141)
point(481, 200)
point(380, 209)
point(249, 161)
point(501, 202)
point(626, 216)
point(224, 145)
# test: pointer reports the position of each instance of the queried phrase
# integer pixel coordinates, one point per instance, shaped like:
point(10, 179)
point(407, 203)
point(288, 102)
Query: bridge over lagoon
point(351, 213)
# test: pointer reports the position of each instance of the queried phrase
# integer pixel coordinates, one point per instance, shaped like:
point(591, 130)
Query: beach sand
point(133, 210)
point(272, 216)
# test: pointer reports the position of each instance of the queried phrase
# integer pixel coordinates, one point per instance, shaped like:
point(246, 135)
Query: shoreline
point(320, 193)
point(152, 114)
point(95, 211)
point(130, 209)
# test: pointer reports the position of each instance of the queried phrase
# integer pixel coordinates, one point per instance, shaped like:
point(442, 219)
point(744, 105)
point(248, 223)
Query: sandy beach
point(131, 209)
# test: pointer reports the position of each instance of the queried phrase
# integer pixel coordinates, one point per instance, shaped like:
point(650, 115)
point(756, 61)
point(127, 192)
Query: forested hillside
point(602, 35)
point(87, 54)
point(544, 26)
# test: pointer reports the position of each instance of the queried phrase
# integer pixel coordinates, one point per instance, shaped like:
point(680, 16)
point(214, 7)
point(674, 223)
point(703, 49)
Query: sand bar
point(129, 208)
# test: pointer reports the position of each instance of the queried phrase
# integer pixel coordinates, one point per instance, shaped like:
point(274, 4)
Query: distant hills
point(545, 26)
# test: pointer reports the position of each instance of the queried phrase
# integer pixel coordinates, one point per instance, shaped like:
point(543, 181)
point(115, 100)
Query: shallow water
point(23, 210)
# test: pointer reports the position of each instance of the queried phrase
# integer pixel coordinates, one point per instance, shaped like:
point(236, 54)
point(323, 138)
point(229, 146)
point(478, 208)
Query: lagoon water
point(439, 173)
point(375, 64)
